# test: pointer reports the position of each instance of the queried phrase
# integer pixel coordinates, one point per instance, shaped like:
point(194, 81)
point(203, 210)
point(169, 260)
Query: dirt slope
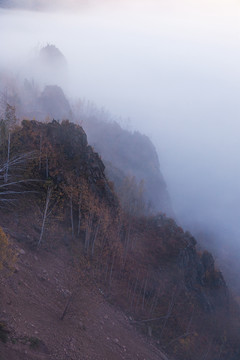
point(32, 301)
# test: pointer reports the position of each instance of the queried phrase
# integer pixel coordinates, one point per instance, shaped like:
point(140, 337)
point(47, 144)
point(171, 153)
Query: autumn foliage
point(144, 263)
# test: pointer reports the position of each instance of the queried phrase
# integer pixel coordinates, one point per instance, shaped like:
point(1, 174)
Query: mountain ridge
point(145, 265)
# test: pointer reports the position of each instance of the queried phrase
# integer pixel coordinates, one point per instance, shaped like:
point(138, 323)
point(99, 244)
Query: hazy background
point(171, 66)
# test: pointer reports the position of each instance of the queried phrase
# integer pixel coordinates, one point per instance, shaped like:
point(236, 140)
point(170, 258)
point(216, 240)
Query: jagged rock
point(207, 261)
point(128, 153)
point(200, 275)
point(54, 103)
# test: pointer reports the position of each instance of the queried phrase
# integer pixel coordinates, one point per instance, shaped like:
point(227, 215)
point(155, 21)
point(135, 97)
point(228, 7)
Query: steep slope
point(32, 302)
point(125, 153)
point(33, 299)
point(85, 246)
point(128, 153)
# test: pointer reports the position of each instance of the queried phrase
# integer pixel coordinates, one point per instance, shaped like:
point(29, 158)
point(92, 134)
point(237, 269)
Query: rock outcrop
point(128, 153)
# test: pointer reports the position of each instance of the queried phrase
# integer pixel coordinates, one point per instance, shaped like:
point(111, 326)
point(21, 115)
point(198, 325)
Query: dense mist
point(171, 68)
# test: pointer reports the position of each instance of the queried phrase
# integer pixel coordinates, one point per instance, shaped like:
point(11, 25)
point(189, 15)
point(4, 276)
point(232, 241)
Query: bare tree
point(45, 214)
point(186, 334)
point(8, 158)
point(169, 311)
point(71, 214)
point(11, 182)
point(79, 213)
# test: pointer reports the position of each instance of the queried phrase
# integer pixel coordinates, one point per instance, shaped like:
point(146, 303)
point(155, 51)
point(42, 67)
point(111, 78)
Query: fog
point(170, 67)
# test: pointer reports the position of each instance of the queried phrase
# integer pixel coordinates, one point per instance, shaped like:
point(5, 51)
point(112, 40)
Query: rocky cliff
point(125, 154)
point(128, 154)
point(60, 205)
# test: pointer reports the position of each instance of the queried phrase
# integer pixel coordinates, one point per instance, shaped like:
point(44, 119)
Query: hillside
point(80, 251)
point(128, 156)
point(32, 304)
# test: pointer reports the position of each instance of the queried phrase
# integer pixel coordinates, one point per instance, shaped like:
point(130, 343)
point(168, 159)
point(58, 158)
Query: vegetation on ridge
point(145, 264)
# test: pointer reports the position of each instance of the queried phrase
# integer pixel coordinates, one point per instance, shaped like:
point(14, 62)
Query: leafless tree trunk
point(71, 210)
point(111, 271)
point(154, 302)
point(95, 235)
point(49, 192)
point(169, 312)
point(186, 334)
point(40, 153)
point(220, 352)
point(88, 230)
point(135, 288)
point(139, 296)
point(8, 158)
point(107, 265)
point(79, 213)
point(144, 292)
point(47, 172)
point(67, 306)
point(205, 355)
point(126, 245)
point(131, 286)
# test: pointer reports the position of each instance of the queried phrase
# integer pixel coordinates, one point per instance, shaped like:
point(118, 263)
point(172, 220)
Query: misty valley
point(116, 240)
